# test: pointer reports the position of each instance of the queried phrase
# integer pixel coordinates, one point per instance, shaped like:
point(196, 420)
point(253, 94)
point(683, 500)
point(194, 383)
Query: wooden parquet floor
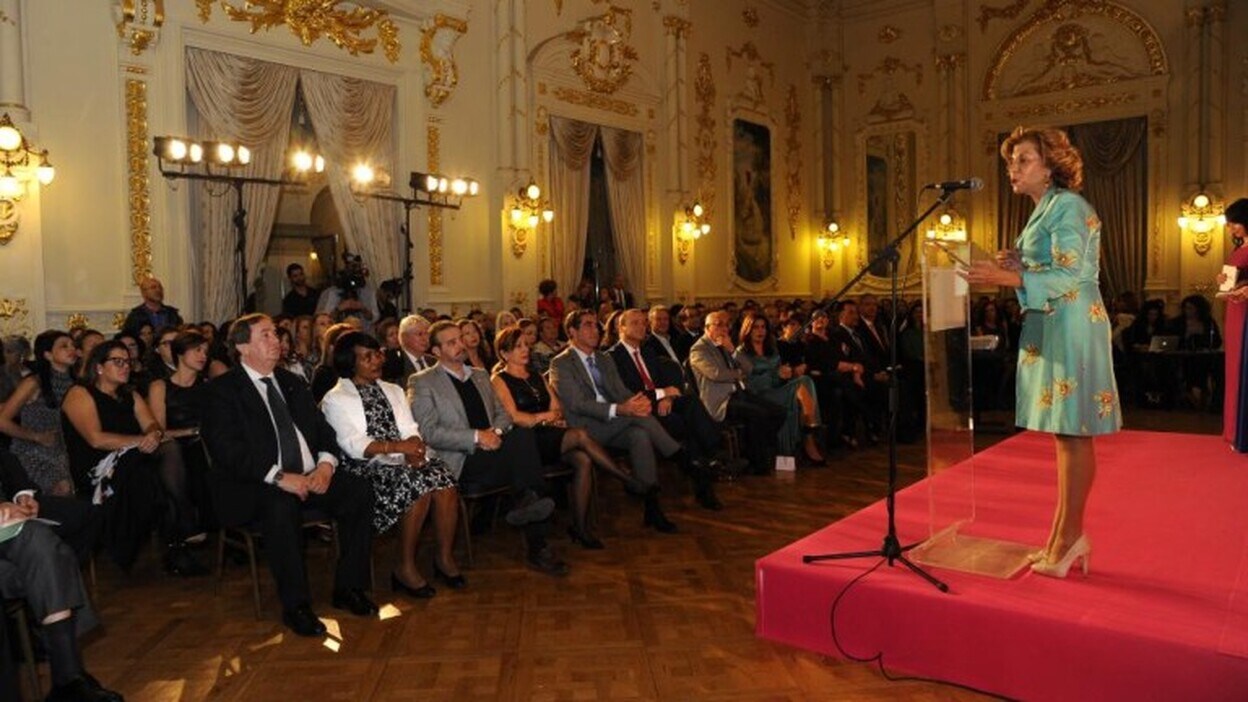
point(653, 617)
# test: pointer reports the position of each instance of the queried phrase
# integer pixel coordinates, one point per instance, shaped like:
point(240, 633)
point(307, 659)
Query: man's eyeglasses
point(118, 361)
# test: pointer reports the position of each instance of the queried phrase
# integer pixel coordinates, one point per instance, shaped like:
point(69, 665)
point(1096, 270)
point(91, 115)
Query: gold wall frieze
point(1064, 13)
point(10, 220)
point(433, 144)
point(679, 26)
point(1062, 107)
point(119, 320)
point(309, 21)
point(139, 22)
point(704, 94)
point(597, 101)
point(888, 34)
point(437, 47)
point(77, 320)
point(755, 66)
point(138, 180)
point(948, 62)
point(15, 316)
point(750, 16)
point(793, 148)
point(988, 13)
point(890, 66)
point(602, 56)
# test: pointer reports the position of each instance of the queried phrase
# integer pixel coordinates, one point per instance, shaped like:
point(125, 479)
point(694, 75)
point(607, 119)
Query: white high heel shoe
point(1080, 551)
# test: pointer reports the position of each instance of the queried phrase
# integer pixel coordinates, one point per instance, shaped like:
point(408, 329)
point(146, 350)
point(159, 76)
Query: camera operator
point(351, 295)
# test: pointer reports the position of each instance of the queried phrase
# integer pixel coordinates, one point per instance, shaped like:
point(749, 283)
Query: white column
point(12, 62)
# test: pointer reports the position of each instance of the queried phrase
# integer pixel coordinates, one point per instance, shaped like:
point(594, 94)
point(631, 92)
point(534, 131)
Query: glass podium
point(953, 541)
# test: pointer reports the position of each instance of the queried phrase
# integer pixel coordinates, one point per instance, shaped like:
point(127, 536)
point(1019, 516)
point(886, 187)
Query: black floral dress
point(396, 486)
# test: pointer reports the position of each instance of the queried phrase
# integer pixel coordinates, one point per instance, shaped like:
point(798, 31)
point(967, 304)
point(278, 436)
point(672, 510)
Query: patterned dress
point(763, 378)
point(1065, 368)
point(396, 486)
point(45, 465)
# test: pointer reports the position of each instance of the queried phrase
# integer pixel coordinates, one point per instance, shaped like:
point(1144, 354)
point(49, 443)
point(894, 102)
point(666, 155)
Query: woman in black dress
point(110, 434)
point(530, 403)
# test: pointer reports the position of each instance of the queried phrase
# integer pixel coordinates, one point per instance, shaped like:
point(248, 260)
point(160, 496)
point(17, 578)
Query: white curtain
point(354, 122)
point(622, 151)
point(572, 142)
point(249, 102)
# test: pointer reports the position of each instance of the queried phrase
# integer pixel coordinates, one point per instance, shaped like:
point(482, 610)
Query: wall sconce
point(949, 226)
point(21, 163)
point(691, 225)
point(831, 240)
point(528, 210)
point(1201, 216)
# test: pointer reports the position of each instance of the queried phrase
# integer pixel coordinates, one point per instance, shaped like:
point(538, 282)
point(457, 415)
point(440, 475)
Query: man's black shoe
point(655, 519)
point(546, 561)
point(354, 601)
point(83, 689)
point(705, 494)
point(529, 509)
point(303, 621)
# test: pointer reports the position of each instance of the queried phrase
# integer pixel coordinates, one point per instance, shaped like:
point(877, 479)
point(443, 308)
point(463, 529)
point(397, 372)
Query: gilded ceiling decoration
point(77, 321)
point(603, 57)
point(1069, 44)
point(342, 23)
point(437, 44)
point(1010, 11)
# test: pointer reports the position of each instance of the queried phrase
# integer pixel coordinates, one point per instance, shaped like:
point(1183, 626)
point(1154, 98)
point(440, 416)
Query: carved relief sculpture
point(602, 56)
point(312, 19)
point(892, 103)
point(437, 46)
point(755, 66)
point(139, 22)
point(793, 157)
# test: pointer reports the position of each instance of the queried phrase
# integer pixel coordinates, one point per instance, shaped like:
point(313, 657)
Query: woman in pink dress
point(1235, 409)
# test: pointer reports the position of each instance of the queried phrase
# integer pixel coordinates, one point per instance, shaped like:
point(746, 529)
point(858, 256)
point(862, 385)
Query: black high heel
point(423, 592)
point(585, 539)
point(457, 581)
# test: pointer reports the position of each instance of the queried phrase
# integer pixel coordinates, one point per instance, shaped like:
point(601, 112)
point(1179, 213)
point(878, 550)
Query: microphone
point(968, 184)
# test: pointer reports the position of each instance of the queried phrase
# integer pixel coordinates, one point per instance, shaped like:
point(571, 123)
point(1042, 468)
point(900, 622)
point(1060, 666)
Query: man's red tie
point(641, 368)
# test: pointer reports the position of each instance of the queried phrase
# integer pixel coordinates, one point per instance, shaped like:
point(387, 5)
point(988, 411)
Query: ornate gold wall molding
point(10, 220)
point(888, 34)
point(137, 177)
point(603, 57)
point(597, 101)
point(793, 157)
point(1062, 107)
point(987, 14)
point(892, 103)
point(679, 26)
point(948, 62)
point(139, 22)
point(750, 16)
point(311, 20)
point(15, 317)
point(433, 143)
point(1071, 46)
point(704, 94)
point(755, 66)
point(437, 47)
point(77, 320)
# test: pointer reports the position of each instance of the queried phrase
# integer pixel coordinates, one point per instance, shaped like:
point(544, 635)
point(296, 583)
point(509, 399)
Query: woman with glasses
point(37, 440)
point(111, 434)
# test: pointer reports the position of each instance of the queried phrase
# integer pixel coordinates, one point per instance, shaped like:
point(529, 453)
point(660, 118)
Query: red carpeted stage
point(1163, 614)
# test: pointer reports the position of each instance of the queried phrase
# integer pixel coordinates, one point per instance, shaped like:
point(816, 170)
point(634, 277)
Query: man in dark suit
point(412, 356)
point(77, 520)
point(849, 347)
point(37, 566)
point(274, 454)
point(661, 341)
point(722, 389)
point(661, 380)
point(620, 296)
point(594, 397)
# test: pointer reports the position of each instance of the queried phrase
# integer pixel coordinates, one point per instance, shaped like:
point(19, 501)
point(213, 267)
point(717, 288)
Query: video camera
point(352, 277)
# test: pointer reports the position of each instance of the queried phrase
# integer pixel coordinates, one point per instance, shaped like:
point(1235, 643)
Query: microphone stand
point(891, 550)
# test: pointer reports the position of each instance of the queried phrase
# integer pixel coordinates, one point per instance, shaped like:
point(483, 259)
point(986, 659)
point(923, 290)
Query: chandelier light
point(949, 226)
point(528, 210)
point(20, 163)
point(1201, 217)
point(831, 239)
point(691, 224)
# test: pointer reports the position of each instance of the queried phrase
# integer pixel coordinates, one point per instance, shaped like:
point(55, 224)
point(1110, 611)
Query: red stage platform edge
point(1163, 614)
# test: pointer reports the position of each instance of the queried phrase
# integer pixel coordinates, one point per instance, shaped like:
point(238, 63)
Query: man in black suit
point(412, 356)
point(849, 347)
point(301, 300)
point(663, 341)
point(274, 454)
point(661, 380)
point(620, 296)
point(77, 520)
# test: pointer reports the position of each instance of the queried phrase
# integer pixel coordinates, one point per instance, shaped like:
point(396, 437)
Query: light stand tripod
point(891, 550)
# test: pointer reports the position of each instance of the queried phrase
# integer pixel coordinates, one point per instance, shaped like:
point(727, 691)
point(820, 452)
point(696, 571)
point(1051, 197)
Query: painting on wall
point(752, 244)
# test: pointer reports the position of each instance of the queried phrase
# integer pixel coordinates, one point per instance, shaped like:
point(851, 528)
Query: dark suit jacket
point(682, 341)
point(241, 440)
point(877, 349)
point(399, 368)
point(656, 347)
point(662, 374)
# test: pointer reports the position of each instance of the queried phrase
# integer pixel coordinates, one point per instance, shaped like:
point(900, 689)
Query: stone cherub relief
point(1075, 57)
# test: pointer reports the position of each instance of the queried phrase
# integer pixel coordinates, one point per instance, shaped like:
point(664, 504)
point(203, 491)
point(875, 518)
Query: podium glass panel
point(948, 343)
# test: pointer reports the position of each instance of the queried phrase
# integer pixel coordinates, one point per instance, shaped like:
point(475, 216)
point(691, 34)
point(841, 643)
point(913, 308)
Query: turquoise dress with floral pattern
point(1065, 368)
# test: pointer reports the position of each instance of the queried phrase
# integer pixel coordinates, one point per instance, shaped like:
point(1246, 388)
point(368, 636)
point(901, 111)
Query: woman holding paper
point(1065, 371)
point(1235, 407)
point(381, 443)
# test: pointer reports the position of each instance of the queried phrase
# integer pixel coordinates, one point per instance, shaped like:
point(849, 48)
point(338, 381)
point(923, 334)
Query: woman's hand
point(989, 273)
point(149, 442)
point(799, 369)
point(786, 372)
point(1238, 295)
point(1010, 260)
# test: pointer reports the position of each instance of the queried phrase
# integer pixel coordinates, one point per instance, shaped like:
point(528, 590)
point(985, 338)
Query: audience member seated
point(837, 380)
point(36, 439)
point(661, 342)
point(1197, 331)
point(381, 443)
point(175, 403)
point(548, 302)
point(787, 386)
point(662, 381)
point(301, 300)
point(291, 360)
point(152, 311)
point(610, 330)
point(1151, 388)
point(35, 565)
point(721, 387)
point(502, 320)
point(324, 376)
point(77, 522)
point(584, 297)
point(527, 398)
point(85, 343)
point(911, 355)
point(594, 397)
point(477, 350)
point(848, 346)
point(789, 345)
point(110, 434)
point(273, 454)
point(464, 424)
point(159, 362)
point(16, 355)
point(548, 343)
point(412, 356)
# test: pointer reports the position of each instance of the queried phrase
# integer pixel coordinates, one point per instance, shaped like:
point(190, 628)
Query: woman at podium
point(1065, 380)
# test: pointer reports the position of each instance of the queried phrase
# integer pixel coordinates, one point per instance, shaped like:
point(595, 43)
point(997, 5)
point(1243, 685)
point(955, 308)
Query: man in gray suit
point(722, 389)
point(464, 424)
point(594, 397)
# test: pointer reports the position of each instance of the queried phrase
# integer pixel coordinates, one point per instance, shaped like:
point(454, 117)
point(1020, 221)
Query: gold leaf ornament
point(312, 19)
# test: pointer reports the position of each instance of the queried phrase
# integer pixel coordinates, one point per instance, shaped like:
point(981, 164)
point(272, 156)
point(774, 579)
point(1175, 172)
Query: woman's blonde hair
point(1056, 152)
